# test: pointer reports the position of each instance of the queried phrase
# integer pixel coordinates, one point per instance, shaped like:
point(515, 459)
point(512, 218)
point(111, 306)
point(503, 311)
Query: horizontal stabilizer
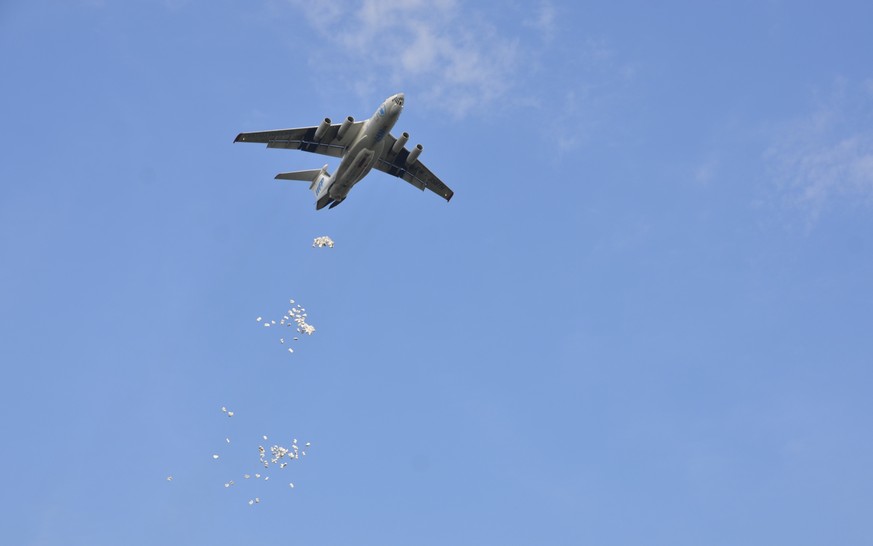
point(308, 176)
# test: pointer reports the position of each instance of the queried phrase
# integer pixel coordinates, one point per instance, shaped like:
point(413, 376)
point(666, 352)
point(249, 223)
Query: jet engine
point(319, 132)
point(400, 143)
point(344, 127)
point(413, 155)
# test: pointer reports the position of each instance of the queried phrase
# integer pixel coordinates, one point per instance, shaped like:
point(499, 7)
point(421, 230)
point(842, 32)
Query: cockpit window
point(398, 101)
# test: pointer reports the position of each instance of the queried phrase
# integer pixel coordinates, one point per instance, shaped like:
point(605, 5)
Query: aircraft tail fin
point(319, 182)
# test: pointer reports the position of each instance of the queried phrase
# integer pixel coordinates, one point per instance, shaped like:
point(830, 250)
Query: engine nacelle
point(344, 127)
point(400, 143)
point(319, 132)
point(413, 155)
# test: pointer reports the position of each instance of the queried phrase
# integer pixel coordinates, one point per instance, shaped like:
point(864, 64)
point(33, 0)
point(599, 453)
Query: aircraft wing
point(416, 174)
point(303, 138)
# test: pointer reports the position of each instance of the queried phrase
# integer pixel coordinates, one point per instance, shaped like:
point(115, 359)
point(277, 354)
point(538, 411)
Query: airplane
point(362, 145)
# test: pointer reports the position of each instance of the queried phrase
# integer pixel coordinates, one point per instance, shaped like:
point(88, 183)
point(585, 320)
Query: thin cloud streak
point(826, 158)
point(544, 21)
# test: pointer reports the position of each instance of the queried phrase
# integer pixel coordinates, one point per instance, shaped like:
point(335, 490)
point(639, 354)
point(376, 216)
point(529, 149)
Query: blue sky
point(644, 318)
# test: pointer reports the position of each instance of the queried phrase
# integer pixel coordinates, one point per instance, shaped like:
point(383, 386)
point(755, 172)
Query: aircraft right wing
point(303, 138)
point(416, 174)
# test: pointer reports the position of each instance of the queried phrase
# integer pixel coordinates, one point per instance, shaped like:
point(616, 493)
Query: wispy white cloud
point(544, 20)
point(596, 81)
point(826, 157)
point(449, 56)
point(453, 58)
point(705, 172)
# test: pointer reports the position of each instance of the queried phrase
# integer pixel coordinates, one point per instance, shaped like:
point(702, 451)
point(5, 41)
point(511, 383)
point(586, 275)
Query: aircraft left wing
point(303, 138)
point(416, 174)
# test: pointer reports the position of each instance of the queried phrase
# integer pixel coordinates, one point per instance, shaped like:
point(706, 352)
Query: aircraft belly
point(352, 172)
point(361, 165)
